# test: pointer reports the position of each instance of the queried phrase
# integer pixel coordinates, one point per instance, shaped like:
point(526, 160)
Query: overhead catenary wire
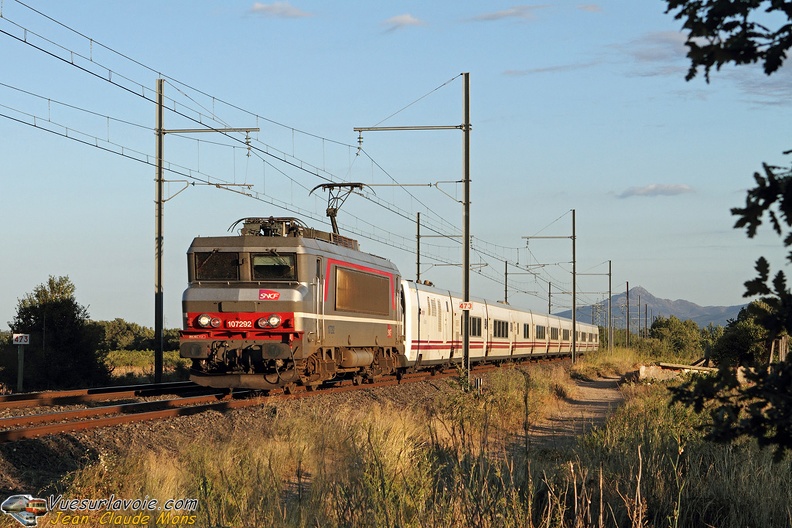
point(280, 156)
point(140, 90)
point(142, 156)
point(393, 239)
point(397, 112)
point(220, 183)
point(315, 171)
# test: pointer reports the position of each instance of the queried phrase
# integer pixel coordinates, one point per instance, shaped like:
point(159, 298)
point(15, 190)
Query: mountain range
point(651, 307)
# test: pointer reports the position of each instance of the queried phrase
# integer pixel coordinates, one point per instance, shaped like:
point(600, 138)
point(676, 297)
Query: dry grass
point(458, 460)
point(604, 363)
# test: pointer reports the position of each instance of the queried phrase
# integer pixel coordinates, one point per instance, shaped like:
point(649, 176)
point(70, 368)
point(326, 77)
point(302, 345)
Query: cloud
point(657, 189)
point(591, 8)
point(524, 12)
point(552, 69)
point(660, 53)
point(659, 46)
point(775, 90)
point(665, 54)
point(402, 21)
point(278, 10)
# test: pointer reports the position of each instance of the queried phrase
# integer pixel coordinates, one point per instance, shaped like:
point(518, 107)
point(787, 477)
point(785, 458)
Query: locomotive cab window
point(216, 266)
point(274, 267)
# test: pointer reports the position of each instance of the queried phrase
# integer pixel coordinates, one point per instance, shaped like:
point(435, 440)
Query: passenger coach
point(433, 326)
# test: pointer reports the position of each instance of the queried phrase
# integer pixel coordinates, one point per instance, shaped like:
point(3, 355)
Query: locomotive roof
point(269, 233)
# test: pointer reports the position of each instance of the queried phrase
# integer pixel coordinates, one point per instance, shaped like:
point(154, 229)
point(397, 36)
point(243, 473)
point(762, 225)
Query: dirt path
point(590, 406)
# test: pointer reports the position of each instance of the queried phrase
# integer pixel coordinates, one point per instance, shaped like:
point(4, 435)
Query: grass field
point(461, 459)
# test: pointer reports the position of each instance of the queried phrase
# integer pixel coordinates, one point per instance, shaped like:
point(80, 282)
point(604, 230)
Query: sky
point(574, 106)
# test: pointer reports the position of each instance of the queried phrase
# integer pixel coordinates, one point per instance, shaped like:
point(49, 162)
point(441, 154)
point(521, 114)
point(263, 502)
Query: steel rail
point(178, 407)
point(38, 399)
point(121, 408)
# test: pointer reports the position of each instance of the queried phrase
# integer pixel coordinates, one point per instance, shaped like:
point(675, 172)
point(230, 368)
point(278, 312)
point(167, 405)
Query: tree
point(64, 345)
point(728, 31)
point(119, 334)
point(724, 31)
point(682, 337)
point(744, 340)
point(738, 32)
point(710, 335)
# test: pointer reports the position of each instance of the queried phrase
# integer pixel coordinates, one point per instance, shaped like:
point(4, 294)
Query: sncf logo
point(268, 295)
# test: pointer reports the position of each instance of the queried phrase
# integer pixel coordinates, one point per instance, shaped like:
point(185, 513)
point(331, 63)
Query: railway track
point(33, 421)
point(67, 397)
point(14, 428)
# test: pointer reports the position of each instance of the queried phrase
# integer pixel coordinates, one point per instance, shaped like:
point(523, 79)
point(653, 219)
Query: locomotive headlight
point(204, 320)
point(215, 322)
point(273, 321)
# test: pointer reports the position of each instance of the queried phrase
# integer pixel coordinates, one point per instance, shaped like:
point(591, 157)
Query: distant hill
point(652, 307)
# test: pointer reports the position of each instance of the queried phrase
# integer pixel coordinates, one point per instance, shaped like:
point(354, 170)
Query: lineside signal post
point(21, 340)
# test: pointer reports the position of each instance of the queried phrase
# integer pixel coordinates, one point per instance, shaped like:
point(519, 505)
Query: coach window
point(500, 329)
point(216, 266)
point(540, 332)
point(526, 331)
point(274, 267)
point(566, 334)
point(553, 334)
point(475, 327)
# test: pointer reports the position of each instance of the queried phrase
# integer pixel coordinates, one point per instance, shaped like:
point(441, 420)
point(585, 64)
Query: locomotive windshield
point(216, 266)
point(274, 267)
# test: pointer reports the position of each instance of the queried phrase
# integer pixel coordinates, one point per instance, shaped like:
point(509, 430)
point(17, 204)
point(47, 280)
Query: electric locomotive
point(282, 304)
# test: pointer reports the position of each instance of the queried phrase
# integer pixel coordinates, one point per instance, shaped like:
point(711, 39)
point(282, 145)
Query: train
point(280, 304)
point(24, 509)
